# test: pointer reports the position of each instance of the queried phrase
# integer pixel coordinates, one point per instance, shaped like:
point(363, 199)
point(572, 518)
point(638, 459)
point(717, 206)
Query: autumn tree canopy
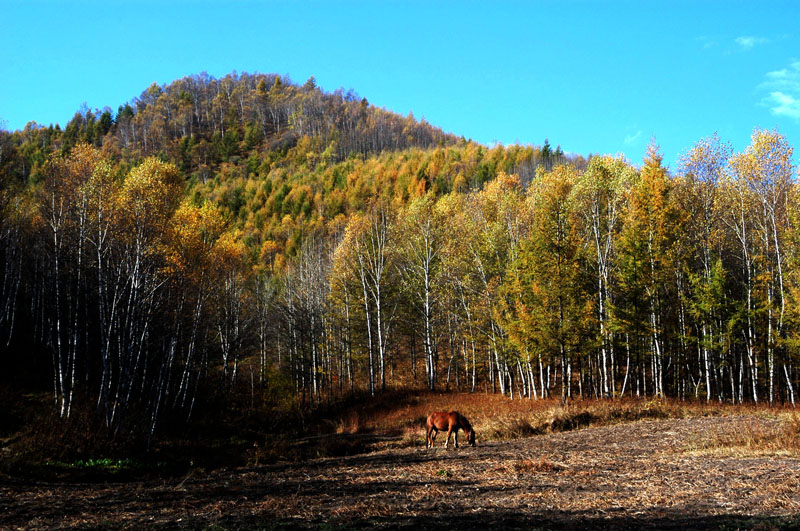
point(317, 245)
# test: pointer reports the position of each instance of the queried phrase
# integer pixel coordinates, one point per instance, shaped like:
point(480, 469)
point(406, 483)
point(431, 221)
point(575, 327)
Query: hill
point(263, 148)
point(249, 244)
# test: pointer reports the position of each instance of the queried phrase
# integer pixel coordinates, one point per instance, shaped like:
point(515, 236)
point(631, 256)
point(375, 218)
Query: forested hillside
point(248, 233)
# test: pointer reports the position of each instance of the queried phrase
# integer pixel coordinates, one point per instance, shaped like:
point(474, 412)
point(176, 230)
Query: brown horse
point(452, 422)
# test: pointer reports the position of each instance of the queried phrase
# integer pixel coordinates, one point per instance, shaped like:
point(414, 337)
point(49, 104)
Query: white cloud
point(781, 104)
point(706, 41)
point(632, 139)
point(782, 88)
point(748, 42)
point(778, 74)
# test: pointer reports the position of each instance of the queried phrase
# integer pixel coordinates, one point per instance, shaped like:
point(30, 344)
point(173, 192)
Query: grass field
point(593, 464)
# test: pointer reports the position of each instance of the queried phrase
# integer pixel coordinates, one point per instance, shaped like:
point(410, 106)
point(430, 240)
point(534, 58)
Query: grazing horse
point(452, 422)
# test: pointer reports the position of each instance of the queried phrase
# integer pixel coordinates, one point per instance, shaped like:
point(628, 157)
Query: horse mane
point(467, 425)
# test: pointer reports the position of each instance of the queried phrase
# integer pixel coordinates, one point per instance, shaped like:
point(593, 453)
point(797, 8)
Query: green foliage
point(504, 266)
point(106, 464)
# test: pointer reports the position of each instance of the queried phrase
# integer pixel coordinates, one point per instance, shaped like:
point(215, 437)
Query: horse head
point(468, 430)
point(471, 437)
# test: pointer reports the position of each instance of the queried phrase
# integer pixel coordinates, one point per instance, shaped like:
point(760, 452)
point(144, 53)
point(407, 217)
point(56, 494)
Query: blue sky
point(593, 77)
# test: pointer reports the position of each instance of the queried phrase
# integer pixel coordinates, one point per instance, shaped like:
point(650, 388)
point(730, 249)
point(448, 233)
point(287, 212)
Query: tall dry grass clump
point(493, 416)
point(397, 418)
point(780, 436)
point(526, 418)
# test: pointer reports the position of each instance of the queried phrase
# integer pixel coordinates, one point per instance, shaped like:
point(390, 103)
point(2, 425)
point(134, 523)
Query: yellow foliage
point(192, 234)
point(151, 192)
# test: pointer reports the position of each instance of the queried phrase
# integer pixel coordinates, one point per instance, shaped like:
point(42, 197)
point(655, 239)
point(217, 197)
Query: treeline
point(281, 160)
point(601, 282)
point(122, 282)
point(138, 291)
point(597, 282)
point(139, 280)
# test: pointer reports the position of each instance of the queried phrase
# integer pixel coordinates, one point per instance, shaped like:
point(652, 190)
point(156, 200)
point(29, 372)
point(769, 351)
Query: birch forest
point(254, 236)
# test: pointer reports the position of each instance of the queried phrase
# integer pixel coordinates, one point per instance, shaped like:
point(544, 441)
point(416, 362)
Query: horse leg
point(456, 435)
point(447, 442)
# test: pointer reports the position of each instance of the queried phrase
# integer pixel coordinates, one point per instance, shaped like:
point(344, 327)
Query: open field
point(727, 470)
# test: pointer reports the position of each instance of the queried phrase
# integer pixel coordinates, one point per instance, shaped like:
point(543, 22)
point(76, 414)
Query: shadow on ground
point(509, 520)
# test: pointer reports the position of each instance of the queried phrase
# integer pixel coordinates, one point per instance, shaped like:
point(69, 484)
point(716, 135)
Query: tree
point(64, 205)
point(601, 195)
point(495, 229)
point(192, 267)
point(550, 305)
point(463, 289)
point(766, 170)
point(648, 259)
point(366, 247)
point(421, 233)
point(146, 201)
point(704, 172)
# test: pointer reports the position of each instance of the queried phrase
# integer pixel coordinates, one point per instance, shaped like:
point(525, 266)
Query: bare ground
point(635, 475)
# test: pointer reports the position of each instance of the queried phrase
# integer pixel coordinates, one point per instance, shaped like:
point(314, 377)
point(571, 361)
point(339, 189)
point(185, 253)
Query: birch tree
point(601, 194)
point(767, 170)
point(421, 235)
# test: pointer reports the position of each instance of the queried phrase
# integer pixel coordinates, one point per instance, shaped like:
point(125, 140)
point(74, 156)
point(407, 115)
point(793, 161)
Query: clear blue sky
point(599, 77)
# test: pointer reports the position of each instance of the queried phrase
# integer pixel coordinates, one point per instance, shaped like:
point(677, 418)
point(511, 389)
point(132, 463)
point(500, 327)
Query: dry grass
point(642, 464)
point(750, 438)
point(396, 419)
point(521, 467)
point(496, 417)
point(348, 424)
point(618, 476)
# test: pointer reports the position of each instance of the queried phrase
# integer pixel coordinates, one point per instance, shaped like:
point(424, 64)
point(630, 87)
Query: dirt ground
point(636, 475)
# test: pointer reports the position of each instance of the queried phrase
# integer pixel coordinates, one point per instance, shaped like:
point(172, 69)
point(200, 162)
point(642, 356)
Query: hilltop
point(263, 148)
